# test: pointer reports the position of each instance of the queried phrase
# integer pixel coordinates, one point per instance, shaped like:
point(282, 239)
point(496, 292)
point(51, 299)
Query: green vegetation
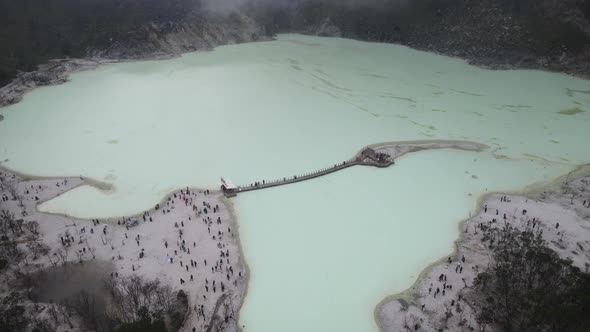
point(467, 93)
point(571, 111)
point(528, 287)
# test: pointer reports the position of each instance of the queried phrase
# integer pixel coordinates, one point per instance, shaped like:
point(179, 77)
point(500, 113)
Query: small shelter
point(377, 157)
point(229, 188)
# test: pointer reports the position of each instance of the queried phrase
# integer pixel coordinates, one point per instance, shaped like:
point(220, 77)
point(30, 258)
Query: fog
point(226, 6)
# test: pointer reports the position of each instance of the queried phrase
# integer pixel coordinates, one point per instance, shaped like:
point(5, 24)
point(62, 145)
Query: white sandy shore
point(215, 242)
point(551, 205)
point(206, 240)
point(56, 72)
point(398, 149)
point(51, 73)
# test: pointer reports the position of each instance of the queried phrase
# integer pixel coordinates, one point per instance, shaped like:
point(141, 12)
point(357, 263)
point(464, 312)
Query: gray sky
point(229, 5)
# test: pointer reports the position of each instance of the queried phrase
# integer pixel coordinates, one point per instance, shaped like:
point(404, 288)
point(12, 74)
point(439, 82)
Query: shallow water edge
point(533, 191)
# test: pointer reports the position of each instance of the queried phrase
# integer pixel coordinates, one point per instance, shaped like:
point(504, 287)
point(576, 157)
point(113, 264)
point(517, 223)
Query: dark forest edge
point(528, 287)
point(549, 34)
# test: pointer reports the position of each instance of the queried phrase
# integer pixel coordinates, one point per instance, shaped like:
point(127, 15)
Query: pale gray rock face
point(54, 72)
point(562, 213)
point(191, 34)
point(151, 41)
point(489, 34)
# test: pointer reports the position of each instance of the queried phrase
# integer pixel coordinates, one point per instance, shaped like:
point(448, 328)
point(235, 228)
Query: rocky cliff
point(36, 31)
point(541, 34)
point(190, 34)
point(153, 40)
point(538, 34)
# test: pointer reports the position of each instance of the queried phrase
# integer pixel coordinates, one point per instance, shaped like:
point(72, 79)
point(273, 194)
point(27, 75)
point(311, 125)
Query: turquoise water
point(322, 253)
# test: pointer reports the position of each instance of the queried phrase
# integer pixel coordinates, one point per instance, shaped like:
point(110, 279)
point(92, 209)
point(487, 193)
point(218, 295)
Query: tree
point(92, 250)
point(33, 227)
point(12, 318)
point(181, 310)
point(62, 255)
point(130, 295)
point(7, 222)
point(13, 191)
point(90, 308)
point(528, 287)
point(37, 249)
point(143, 324)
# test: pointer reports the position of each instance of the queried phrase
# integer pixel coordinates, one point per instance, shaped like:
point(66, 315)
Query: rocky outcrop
point(190, 34)
point(54, 72)
point(550, 35)
point(150, 41)
point(538, 34)
point(327, 29)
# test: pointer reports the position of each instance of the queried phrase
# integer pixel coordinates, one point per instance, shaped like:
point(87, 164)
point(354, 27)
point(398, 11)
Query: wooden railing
point(297, 178)
point(359, 159)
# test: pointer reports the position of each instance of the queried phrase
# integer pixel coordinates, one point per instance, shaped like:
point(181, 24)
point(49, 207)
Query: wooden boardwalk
point(366, 157)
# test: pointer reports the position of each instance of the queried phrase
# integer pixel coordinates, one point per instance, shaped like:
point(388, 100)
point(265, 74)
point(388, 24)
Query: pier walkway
point(367, 157)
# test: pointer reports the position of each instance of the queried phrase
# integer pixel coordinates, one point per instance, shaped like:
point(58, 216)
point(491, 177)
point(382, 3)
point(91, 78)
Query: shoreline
point(479, 61)
point(395, 150)
point(233, 211)
point(58, 71)
point(21, 178)
point(409, 298)
point(152, 235)
point(398, 149)
point(98, 184)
